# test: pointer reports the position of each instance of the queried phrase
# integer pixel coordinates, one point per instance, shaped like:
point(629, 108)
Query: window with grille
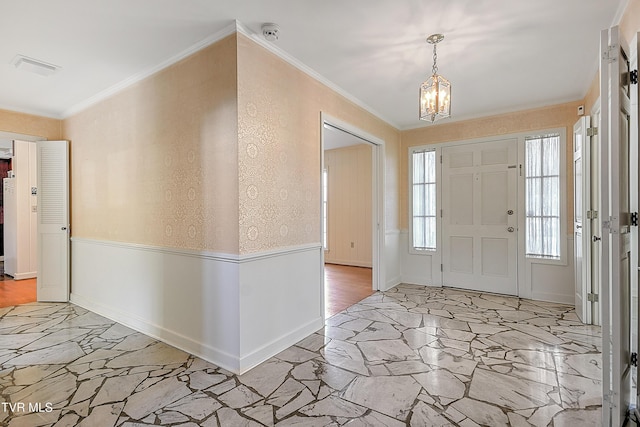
point(542, 196)
point(423, 200)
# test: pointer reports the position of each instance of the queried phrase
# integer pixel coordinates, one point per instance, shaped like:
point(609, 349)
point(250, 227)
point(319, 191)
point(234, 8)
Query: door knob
point(510, 212)
point(511, 229)
point(63, 228)
point(595, 239)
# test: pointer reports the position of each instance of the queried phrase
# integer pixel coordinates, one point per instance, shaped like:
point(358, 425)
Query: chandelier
point(435, 92)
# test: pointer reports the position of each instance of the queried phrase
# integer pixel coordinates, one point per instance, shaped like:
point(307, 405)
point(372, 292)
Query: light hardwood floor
point(14, 292)
point(345, 286)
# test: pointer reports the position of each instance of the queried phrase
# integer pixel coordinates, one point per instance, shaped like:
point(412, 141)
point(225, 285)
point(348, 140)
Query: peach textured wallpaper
point(349, 202)
point(156, 163)
point(219, 152)
point(279, 110)
point(555, 116)
point(27, 124)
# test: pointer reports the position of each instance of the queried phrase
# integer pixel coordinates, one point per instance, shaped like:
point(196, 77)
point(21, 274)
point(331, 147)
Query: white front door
point(479, 226)
point(581, 218)
point(53, 221)
point(615, 220)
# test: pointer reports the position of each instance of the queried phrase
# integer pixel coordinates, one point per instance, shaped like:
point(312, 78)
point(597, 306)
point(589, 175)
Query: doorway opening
point(18, 220)
point(352, 185)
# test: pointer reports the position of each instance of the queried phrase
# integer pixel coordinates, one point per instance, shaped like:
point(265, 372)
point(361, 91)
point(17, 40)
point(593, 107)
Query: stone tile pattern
point(412, 356)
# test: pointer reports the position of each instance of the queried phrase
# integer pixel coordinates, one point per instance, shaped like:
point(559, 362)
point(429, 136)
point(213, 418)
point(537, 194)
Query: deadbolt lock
point(510, 212)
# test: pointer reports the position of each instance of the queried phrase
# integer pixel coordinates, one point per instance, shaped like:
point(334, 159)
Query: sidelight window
point(542, 196)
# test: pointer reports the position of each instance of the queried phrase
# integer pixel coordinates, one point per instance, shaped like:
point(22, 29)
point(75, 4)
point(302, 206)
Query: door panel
point(53, 221)
point(479, 198)
point(616, 246)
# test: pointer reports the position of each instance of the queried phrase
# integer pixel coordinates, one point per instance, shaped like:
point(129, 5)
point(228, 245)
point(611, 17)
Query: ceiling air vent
point(36, 66)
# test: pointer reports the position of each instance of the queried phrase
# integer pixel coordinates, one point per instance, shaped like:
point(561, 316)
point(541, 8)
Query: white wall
point(232, 311)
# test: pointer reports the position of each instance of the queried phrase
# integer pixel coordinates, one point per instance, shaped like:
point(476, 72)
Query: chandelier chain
point(434, 69)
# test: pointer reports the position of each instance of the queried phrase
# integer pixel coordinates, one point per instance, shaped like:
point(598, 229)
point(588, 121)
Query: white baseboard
point(394, 281)
point(184, 343)
point(421, 281)
point(557, 298)
point(348, 263)
point(276, 346)
point(28, 275)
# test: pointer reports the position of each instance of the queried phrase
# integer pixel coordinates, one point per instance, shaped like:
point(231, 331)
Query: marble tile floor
point(412, 356)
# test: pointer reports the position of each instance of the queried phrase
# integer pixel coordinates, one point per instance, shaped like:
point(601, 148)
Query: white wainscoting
point(540, 280)
point(234, 311)
point(392, 259)
point(422, 269)
point(280, 301)
point(548, 281)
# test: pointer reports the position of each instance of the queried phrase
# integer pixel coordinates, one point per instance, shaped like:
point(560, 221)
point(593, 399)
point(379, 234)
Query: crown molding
point(234, 27)
point(271, 47)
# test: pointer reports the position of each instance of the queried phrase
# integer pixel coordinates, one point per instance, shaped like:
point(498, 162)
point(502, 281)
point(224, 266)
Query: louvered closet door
point(479, 219)
point(53, 221)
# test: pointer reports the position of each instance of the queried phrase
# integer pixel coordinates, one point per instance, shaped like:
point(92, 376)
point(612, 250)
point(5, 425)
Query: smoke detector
point(270, 31)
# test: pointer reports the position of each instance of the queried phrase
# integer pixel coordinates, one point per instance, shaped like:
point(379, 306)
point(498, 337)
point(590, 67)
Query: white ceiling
point(500, 55)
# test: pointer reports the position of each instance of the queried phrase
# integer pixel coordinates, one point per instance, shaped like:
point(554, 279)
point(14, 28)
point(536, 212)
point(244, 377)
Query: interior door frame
point(377, 199)
point(582, 228)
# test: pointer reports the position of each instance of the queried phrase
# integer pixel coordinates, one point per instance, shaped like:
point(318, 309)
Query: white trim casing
point(377, 200)
point(234, 311)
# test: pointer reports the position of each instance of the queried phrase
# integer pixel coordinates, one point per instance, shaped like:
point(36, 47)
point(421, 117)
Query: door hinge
point(440, 213)
point(610, 54)
point(441, 268)
point(592, 297)
point(634, 219)
point(592, 131)
point(592, 214)
point(440, 158)
point(633, 77)
point(634, 359)
point(612, 225)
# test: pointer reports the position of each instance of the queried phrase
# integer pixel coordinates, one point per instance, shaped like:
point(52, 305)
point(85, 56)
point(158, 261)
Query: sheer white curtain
point(424, 199)
point(542, 192)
